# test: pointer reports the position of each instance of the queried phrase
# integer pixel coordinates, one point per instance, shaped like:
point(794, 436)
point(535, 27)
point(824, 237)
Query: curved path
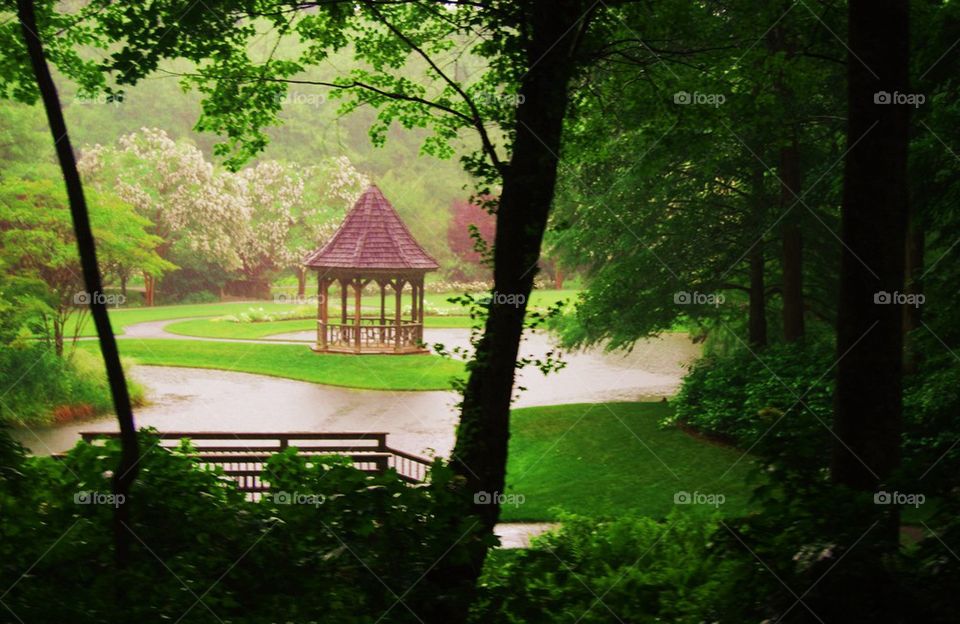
point(189, 399)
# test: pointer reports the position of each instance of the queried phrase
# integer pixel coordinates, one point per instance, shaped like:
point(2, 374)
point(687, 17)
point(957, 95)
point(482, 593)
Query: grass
point(372, 372)
point(436, 306)
point(609, 459)
point(213, 328)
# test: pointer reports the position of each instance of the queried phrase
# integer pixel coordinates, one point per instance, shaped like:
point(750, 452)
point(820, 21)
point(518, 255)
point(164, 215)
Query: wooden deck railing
point(243, 455)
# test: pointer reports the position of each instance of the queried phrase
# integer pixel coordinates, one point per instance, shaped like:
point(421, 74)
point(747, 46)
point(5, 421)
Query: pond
point(418, 422)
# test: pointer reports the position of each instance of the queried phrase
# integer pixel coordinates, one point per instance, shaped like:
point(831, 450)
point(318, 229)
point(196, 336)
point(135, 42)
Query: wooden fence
point(242, 455)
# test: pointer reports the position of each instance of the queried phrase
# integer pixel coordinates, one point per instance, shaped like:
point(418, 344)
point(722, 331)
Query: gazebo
point(372, 245)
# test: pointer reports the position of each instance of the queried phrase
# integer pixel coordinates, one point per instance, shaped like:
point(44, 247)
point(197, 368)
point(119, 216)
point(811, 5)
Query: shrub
point(39, 386)
point(738, 396)
point(339, 546)
point(629, 570)
point(260, 315)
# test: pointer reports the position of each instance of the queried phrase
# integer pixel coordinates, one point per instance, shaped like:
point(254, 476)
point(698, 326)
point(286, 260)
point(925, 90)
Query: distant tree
point(468, 221)
point(37, 241)
point(188, 203)
point(330, 188)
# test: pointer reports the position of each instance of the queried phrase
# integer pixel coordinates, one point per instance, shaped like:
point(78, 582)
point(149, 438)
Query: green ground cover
point(374, 372)
point(610, 459)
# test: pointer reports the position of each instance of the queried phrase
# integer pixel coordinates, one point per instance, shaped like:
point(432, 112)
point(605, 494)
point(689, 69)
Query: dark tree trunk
point(792, 259)
point(912, 314)
point(149, 283)
point(127, 471)
point(758, 301)
point(528, 185)
point(58, 337)
point(123, 286)
point(757, 320)
point(301, 283)
point(867, 415)
point(480, 454)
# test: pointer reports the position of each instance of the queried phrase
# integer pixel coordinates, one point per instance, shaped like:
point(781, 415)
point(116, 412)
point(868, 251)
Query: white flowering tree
point(331, 188)
point(252, 224)
point(189, 203)
point(291, 210)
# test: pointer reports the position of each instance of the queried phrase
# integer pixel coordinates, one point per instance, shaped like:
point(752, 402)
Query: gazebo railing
point(371, 335)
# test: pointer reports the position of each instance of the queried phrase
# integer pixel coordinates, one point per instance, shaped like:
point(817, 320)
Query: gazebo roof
point(372, 236)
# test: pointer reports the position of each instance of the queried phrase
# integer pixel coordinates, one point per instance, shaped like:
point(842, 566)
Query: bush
point(41, 388)
point(629, 570)
point(738, 396)
point(203, 296)
point(261, 315)
point(338, 545)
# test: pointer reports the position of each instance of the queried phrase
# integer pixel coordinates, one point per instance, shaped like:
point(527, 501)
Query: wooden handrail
point(249, 476)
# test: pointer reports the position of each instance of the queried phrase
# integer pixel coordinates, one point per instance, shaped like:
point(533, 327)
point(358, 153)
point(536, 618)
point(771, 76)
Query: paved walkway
point(519, 534)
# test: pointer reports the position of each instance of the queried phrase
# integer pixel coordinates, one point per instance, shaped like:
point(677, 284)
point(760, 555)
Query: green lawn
point(614, 460)
point(437, 308)
point(121, 317)
point(374, 372)
point(213, 328)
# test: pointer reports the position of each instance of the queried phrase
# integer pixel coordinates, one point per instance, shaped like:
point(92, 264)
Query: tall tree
point(867, 417)
point(127, 470)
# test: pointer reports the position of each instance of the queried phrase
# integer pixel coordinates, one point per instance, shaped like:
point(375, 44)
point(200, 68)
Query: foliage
point(742, 395)
point(37, 241)
point(40, 388)
point(327, 543)
point(217, 224)
point(629, 570)
point(471, 228)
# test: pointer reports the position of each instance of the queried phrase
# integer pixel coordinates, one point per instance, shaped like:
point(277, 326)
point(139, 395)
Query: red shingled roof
point(372, 236)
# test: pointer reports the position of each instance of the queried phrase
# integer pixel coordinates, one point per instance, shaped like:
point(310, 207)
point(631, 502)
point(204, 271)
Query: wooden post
point(323, 288)
point(382, 330)
point(413, 301)
point(421, 300)
point(383, 304)
point(343, 301)
point(398, 290)
point(357, 292)
point(420, 308)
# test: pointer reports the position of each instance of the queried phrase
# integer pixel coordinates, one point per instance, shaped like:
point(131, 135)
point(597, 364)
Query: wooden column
point(421, 300)
point(383, 304)
point(420, 309)
point(413, 301)
point(398, 291)
point(357, 292)
point(323, 287)
point(343, 301)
